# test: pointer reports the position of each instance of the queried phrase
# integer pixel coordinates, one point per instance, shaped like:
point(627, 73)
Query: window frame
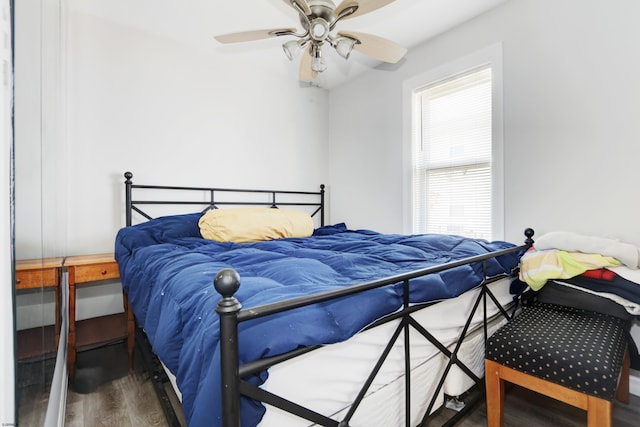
point(491, 55)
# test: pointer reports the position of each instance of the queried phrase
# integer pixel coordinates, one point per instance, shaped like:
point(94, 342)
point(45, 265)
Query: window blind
point(452, 155)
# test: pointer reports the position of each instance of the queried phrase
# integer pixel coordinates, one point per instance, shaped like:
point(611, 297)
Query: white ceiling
point(406, 22)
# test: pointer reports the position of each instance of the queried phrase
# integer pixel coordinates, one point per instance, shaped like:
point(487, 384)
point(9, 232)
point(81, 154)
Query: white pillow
point(626, 253)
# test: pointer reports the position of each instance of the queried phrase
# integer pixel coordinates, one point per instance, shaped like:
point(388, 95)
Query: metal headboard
point(213, 198)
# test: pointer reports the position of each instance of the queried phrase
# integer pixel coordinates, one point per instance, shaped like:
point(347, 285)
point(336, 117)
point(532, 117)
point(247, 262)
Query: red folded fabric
point(600, 273)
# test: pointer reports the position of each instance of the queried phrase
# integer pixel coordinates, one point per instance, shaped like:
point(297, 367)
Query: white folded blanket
point(626, 253)
point(632, 275)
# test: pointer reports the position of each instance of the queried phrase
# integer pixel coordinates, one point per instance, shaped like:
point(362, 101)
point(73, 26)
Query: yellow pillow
point(244, 225)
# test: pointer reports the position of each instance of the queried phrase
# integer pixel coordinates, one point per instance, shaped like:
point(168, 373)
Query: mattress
point(327, 380)
point(343, 367)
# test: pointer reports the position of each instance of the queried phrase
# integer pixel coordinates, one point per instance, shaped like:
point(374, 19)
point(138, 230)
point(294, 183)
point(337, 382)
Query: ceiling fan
point(318, 19)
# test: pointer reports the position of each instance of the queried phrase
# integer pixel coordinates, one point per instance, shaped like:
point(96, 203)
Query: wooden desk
point(41, 273)
point(85, 269)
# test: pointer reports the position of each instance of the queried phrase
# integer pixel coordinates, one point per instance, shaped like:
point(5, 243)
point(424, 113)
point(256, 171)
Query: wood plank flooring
point(529, 409)
point(103, 394)
point(130, 401)
point(118, 399)
point(127, 401)
point(33, 382)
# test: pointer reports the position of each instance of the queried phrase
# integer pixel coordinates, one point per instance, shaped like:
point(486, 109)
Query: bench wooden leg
point(622, 392)
point(495, 394)
point(599, 412)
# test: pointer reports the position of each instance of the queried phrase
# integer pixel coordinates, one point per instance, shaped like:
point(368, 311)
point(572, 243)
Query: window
point(456, 184)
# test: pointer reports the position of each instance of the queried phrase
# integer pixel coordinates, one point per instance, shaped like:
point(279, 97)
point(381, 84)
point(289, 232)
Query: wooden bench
point(576, 356)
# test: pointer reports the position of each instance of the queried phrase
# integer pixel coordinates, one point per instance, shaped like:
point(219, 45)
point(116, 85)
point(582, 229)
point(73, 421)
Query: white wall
point(172, 112)
point(571, 102)
point(571, 128)
point(40, 225)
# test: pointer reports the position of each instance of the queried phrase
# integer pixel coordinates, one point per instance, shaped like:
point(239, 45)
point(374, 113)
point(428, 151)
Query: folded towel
point(536, 267)
point(626, 253)
point(632, 275)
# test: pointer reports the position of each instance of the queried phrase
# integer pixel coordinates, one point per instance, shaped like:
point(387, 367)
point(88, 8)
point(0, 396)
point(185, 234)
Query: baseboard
point(634, 385)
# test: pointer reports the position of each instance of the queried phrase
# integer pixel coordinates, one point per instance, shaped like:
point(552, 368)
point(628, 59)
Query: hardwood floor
point(104, 395)
point(33, 382)
point(524, 408)
point(130, 401)
point(126, 401)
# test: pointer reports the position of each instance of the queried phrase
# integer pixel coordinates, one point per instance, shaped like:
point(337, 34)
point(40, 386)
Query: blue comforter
point(167, 270)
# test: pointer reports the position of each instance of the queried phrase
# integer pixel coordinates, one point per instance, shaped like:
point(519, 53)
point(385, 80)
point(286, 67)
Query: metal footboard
point(227, 282)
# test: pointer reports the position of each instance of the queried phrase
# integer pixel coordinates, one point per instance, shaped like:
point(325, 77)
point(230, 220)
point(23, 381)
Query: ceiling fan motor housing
point(322, 9)
point(318, 23)
point(318, 29)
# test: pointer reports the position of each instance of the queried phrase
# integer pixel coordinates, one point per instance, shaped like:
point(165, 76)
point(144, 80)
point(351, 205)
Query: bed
point(341, 327)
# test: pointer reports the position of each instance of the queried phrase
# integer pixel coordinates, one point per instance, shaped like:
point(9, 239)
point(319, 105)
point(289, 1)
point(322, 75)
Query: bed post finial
point(227, 282)
point(529, 236)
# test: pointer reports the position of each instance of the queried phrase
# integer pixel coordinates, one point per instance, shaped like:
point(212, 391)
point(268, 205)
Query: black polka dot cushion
point(579, 349)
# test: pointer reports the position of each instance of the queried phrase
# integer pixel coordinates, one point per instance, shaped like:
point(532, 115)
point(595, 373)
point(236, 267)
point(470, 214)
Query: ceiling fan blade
point(364, 6)
point(247, 36)
point(376, 47)
point(306, 74)
point(301, 3)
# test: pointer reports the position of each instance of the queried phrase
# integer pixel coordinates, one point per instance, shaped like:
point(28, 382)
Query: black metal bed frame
point(227, 282)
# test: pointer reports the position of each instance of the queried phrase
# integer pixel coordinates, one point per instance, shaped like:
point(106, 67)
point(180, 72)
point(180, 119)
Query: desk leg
point(58, 314)
point(71, 346)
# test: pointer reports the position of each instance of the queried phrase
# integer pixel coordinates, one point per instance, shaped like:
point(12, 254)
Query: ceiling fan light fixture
point(318, 64)
point(317, 61)
point(292, 48)
point(344, 46)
